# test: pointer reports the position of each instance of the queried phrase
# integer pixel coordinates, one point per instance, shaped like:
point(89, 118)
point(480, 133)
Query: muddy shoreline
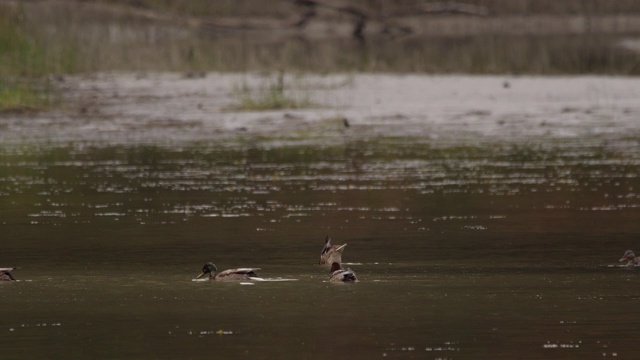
point(165, 108)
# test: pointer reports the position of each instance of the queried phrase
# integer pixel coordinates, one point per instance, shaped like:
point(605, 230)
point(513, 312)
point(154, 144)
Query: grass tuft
point(269, 96)
point(21, 61)
point(23, 98)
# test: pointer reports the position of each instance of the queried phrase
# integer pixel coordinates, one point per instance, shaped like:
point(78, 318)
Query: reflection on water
point(492, 251)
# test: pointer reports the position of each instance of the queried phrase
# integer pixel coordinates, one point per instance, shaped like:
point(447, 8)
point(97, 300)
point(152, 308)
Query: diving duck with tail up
point(331, 253)
point(5, 274)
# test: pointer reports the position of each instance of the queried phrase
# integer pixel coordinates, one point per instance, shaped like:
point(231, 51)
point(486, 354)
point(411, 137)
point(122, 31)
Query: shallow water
point(464, 251)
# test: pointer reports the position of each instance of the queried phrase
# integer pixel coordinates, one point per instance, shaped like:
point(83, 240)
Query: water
point(484, 251)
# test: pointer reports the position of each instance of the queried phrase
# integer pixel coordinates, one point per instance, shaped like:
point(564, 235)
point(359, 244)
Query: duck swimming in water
point(5, 274)
point(630, 258)
point(227, 275)
point(331, 253)
point(338, 274)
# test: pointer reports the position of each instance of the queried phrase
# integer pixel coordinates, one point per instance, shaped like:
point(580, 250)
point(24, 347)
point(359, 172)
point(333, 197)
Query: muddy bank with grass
point(172, 108)
point(42, 39)
point(148, 71)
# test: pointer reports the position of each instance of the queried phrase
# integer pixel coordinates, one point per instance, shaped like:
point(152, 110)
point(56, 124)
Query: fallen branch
point(362, 17)
point(445, 7)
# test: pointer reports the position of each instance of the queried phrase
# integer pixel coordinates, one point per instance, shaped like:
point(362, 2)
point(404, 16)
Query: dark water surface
point(464, 251)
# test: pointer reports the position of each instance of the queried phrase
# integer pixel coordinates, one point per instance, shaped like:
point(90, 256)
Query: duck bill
point(201, 275)
point(622, 259)
point(341, 248)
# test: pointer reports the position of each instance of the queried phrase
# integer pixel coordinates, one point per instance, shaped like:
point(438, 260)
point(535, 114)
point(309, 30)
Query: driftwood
point(361, 16)
point(309, 10)
point(446, 7)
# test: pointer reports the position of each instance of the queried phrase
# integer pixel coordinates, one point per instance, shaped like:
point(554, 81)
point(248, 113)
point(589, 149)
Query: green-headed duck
point(227, 275)
point(338, 274)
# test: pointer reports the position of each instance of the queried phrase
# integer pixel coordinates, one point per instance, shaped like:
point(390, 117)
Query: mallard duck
point(5, 274)
point(331, 253)
point(227, 275)
point(338, 274)
point(630, 258)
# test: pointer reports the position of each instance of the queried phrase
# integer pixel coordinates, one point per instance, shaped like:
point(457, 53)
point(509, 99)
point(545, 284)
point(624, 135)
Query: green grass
point(271, 95)
point(22, 98)
point(269, 100)
point(19, 55)
point(23, 67)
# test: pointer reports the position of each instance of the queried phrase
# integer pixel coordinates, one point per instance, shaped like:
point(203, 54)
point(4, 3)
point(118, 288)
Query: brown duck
point(331, 253)
point(630, 258)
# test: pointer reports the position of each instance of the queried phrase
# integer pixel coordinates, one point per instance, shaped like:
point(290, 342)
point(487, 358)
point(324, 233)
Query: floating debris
point(570, 345)
point(271, 279)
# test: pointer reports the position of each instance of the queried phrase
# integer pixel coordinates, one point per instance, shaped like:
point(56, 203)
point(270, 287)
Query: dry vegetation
point(283, 8)
point(38, 38)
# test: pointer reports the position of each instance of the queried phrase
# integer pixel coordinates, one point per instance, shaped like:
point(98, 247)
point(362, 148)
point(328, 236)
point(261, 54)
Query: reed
point(58, 37)
point(18, 54)
point(23, 66)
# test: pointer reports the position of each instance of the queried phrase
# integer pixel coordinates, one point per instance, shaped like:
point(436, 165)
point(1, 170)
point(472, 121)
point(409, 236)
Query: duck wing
point(5, 274)
point(239, 271)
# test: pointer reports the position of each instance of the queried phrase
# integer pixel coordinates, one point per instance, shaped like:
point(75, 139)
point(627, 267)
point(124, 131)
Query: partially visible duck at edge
point(227, 275)
point(630, 258)
point(331, 253)
point(338, 274)
point(5, 274)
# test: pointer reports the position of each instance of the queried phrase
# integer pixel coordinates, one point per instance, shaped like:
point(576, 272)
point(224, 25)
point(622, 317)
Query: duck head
point(208, 268)
point(335, 266)
point(628, 256)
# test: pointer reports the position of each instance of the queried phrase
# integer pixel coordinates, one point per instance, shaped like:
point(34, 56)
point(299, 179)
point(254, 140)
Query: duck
point(630, 258)
point(5, 274)
point(338, 274)
point(227, 275)
point(331, 253)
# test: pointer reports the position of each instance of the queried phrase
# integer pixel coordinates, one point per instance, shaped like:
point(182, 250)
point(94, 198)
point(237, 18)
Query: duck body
point(238, 274)
point(630, 258)
point(331, 253)
point(340, 275)
point(5, 274)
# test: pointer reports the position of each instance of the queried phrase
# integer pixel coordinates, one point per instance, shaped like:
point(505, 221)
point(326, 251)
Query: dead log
point(444, 7)
point(362, 17)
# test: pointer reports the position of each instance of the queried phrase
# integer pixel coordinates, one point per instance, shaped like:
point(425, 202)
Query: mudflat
point(159, 107)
